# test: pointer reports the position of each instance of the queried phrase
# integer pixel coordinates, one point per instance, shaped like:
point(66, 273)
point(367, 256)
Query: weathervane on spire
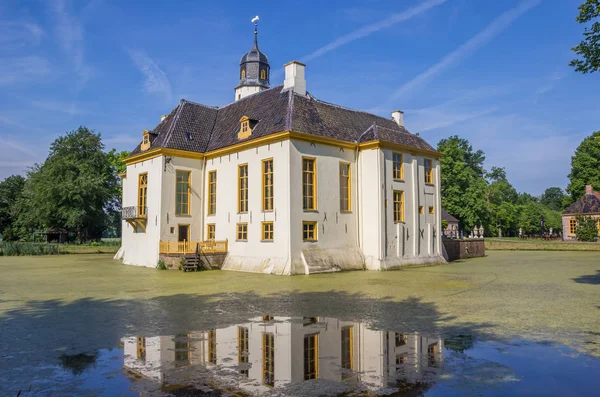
point(255, 22)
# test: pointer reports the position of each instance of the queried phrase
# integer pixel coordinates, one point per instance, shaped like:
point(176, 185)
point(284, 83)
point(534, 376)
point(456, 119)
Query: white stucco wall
point(246, 90)
point(141, 248)
point(254, 254)
point(337, 241)
point(365, 236)
point(168, 217)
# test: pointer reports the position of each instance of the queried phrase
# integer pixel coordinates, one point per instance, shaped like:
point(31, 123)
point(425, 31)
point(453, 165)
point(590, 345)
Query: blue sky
point(494, 72)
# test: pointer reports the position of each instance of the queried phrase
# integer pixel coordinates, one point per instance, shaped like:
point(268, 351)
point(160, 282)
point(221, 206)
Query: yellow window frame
point(212, 346)
point(212, 193)
point(309, 231)
point(572, 226)
point(348, 346)
point(243, 188)
point(428, 171)
point(182, 208)
point(345, 187)
point(268, 231)
point(398, 206)
point(421, 210)
point(267, 184)
point(268, 359)
point(242, 231)
point(309, 183)
point(311, 351)
point(211, 230)
point(431, 210)
point(398, 166)
point(263, 74)
point(142, 194)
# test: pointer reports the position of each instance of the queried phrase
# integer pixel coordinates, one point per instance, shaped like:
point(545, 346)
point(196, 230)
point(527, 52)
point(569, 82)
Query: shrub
point(161, 265)
point(18, 249)
point(587, 228)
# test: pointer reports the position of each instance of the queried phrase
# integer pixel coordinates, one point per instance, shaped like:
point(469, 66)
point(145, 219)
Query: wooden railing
point(189, 247)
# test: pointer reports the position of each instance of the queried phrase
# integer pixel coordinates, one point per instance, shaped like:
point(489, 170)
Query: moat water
point(513, 323)
point(305, 356)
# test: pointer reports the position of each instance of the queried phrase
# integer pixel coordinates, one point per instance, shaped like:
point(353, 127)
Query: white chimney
point(398, 116)
point(294, 77)
point(163, 117)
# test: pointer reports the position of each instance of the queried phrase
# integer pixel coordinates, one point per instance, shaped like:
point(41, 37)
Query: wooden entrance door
point(184, 233)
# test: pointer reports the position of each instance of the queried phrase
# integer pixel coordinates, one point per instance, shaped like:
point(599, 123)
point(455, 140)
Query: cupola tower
point(254, 69)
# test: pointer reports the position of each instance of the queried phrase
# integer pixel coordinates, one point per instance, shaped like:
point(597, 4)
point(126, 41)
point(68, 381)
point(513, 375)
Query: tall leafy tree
point(501, 197)
point(589, 48)
point(73, 188)
point(463, 181)
point(585, 167)
point(118, 166)
point(553, 198)
point(11, 190)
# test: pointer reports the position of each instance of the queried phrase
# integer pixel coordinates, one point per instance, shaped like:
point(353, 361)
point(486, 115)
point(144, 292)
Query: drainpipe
point(358, 211)
point(202, 202)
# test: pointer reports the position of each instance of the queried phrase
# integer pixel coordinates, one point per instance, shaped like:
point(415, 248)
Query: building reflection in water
point(273, 352)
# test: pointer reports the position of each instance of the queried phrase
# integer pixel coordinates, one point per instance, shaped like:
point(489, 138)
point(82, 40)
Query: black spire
point(254, 65)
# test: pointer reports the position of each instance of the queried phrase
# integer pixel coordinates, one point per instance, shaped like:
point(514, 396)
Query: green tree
point(73, 188)
point(463, 181)
point(501, 197)
point(553, 198)
point(11, 190)
point(118, 167)
point(589, 48)
point(587, 228)
point(585, 167)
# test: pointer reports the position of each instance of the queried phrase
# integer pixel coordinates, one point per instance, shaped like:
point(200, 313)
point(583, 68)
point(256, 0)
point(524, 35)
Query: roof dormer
point(145, 140)
point(245, 128)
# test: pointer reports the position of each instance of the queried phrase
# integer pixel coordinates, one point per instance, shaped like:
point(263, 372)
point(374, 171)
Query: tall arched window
point(243, 73)
point(263, 74)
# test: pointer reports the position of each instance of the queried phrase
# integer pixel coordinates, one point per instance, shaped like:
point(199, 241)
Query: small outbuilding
point(587, 205)
point(451, 231)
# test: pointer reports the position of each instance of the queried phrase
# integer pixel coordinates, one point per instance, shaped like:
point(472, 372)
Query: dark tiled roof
point(588, 203)
point(447, 217)
point(198, 128)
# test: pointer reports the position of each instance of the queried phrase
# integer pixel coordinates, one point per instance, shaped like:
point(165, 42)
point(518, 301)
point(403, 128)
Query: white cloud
point(54, 105)
point(23, 70)
point(18, 34)
point(374, 27)
point(456, 56)
point(22, 148)
point(70, 34)
point(157, 81)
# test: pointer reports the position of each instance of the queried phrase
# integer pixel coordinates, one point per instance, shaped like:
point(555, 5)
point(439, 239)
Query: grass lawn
point(515, 243)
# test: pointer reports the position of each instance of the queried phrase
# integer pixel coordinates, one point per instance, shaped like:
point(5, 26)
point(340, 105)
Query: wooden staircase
point(193, 262)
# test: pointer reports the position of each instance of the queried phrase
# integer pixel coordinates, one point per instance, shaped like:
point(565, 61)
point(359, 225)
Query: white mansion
point(283, 182)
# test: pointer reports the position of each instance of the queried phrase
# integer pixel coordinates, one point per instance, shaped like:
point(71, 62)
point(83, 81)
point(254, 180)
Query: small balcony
point(136, 216)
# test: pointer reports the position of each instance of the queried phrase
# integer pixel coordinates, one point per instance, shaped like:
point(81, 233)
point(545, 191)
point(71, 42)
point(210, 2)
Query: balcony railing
point(189, 247)
point(134, 212)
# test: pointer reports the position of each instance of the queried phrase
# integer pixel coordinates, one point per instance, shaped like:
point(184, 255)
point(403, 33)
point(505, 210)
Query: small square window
point(421, 210)
point(267, 231)
point(309, 231)
point(431, 211)
point(242, 232)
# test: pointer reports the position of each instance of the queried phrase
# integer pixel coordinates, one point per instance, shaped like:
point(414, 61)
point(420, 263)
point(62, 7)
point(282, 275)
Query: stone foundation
point(463, 249)
point(173, 260)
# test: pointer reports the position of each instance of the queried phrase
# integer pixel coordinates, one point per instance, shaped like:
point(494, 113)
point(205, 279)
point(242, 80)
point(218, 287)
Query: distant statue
point(520, 231)
point(542, 228)
point(551, 231)
point(481, 231)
